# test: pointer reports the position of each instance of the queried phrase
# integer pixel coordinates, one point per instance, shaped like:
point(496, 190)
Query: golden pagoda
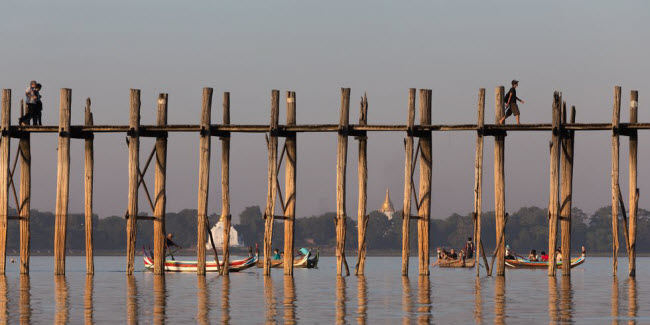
point(387, 207)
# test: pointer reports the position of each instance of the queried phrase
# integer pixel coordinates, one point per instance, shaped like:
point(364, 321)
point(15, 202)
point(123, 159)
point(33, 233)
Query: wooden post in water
point(134, 177)
point(554, 204)
point(290, 186)
point(160, 199)
point(269, 213)
point(341, 163)
point(225, 185)
point(25, 198)
point(616, 118)
point(5, 144)
point(425, 183)
point(89, 164)
point(408, 185)
point(478, 177)
point(499, 186)
point(204, 179)
point(63, 183)
point(634, 191)
point(566, 192)
point(362, 217)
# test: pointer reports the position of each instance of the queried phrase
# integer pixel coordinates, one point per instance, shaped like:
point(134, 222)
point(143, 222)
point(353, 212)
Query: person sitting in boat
point(276, 255)
point(533, 256)
point(544, 257)
point(510, 255)
point(452, 255)
point(558, 255)
point(440, 254)
point(469, 248)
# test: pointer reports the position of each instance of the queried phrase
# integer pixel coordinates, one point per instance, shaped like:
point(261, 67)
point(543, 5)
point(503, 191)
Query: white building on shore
point(217, 235)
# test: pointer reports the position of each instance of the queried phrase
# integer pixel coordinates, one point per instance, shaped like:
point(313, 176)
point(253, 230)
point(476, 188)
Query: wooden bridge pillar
point(5, 146)
point(408, 185)
point(566, 192)
point(269, 212)
point(341, 164)
point(25, 198)
point(290, 186)
point(160, 199)
point(204, 179)
point(634, 191)
point(616, 118)
point(134, 177)
point(362, 217)
point(63, 183)
point(478, 178)
point(554, 204)
point(499, 186)
point(89, 165)
point(225, 185)
point(425, 183)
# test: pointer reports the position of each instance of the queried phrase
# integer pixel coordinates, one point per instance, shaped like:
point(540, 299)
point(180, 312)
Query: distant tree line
point(526, 229)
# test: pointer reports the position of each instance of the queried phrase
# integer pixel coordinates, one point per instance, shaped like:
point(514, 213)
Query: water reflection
point(631, 300)
point(3, 300)
point(614, 312)
point(25, 300)
point(269, 298)
point(362, 299)
point(225, 300)
point(500, 300)
point(159, 299)
point(553, 313)
point(131, 300)
point(566, 300)
point(61, 297)
point(478, 304)
point(340, 300)
point(88, 300)
point(289, 300)
point(407, 302)
point(424, 299)
point(202, 306)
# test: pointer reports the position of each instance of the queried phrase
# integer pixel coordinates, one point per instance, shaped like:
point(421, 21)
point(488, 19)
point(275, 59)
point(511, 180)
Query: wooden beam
point(272, 181)
point(566, 192)
point(499, 186)
point(225, 186)
point(634, 190)
point(5, 147)
point(89, 165)
point(160, 190)
point(134, 177)
point(408, 188)
point(290, 186)
point(616, 117)
point(63, 183)
point(204, 179)
point(362, 217)
point(478, 176)
point(341, 163)
point(425, 184)
point(554, 183)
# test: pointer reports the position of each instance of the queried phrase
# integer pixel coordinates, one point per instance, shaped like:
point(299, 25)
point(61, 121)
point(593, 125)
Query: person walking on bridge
point(511, 103)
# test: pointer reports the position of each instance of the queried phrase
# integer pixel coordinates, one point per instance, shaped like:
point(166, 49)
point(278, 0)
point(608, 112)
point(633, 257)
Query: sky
point(102, 49)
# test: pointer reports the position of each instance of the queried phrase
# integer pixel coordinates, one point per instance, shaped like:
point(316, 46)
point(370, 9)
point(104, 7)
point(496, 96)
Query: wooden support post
point(160, 199)
point(25, 198)
point(5, 147)
point(478, 176)
point(566, 192)
point(499, 186)
point(225, 186)
point(616, 118)
point(290, 186)
point(634, 191)
point(554, 203)
point(134, 167)
point(362, 217)
point(89, 165)
point(204, 179)
point(425, 183)
point(272, 184)
point(62, 183)
point(341, 163)
point(408, 176)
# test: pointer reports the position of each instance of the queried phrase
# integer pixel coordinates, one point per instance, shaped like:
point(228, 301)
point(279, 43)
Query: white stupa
point(387, 207)
point(217, 235)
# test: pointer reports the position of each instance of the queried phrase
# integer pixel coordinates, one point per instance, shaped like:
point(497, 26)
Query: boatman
point(169, 243)
point(511, 102)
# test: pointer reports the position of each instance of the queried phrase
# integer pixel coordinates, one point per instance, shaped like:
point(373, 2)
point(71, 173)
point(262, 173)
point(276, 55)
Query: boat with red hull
point(210, 266)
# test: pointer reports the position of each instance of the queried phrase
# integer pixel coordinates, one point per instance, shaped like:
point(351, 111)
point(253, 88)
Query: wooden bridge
point(561, 129)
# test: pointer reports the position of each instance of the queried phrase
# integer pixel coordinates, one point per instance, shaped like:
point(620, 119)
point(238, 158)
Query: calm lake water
point(591, 296)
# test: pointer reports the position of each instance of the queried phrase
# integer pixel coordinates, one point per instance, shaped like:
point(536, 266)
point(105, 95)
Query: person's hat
point(515, 81)
point(33, 82)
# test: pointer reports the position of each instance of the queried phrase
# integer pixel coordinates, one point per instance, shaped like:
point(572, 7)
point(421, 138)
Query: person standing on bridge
point(511, 103)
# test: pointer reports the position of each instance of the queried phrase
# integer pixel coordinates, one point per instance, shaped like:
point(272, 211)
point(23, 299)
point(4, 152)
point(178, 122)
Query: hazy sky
point(101, 49)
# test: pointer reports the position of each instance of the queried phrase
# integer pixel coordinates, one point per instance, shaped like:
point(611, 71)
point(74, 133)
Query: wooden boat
point(210, 266)
point(459, 263)
point(307, 261)
point(522, 263)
